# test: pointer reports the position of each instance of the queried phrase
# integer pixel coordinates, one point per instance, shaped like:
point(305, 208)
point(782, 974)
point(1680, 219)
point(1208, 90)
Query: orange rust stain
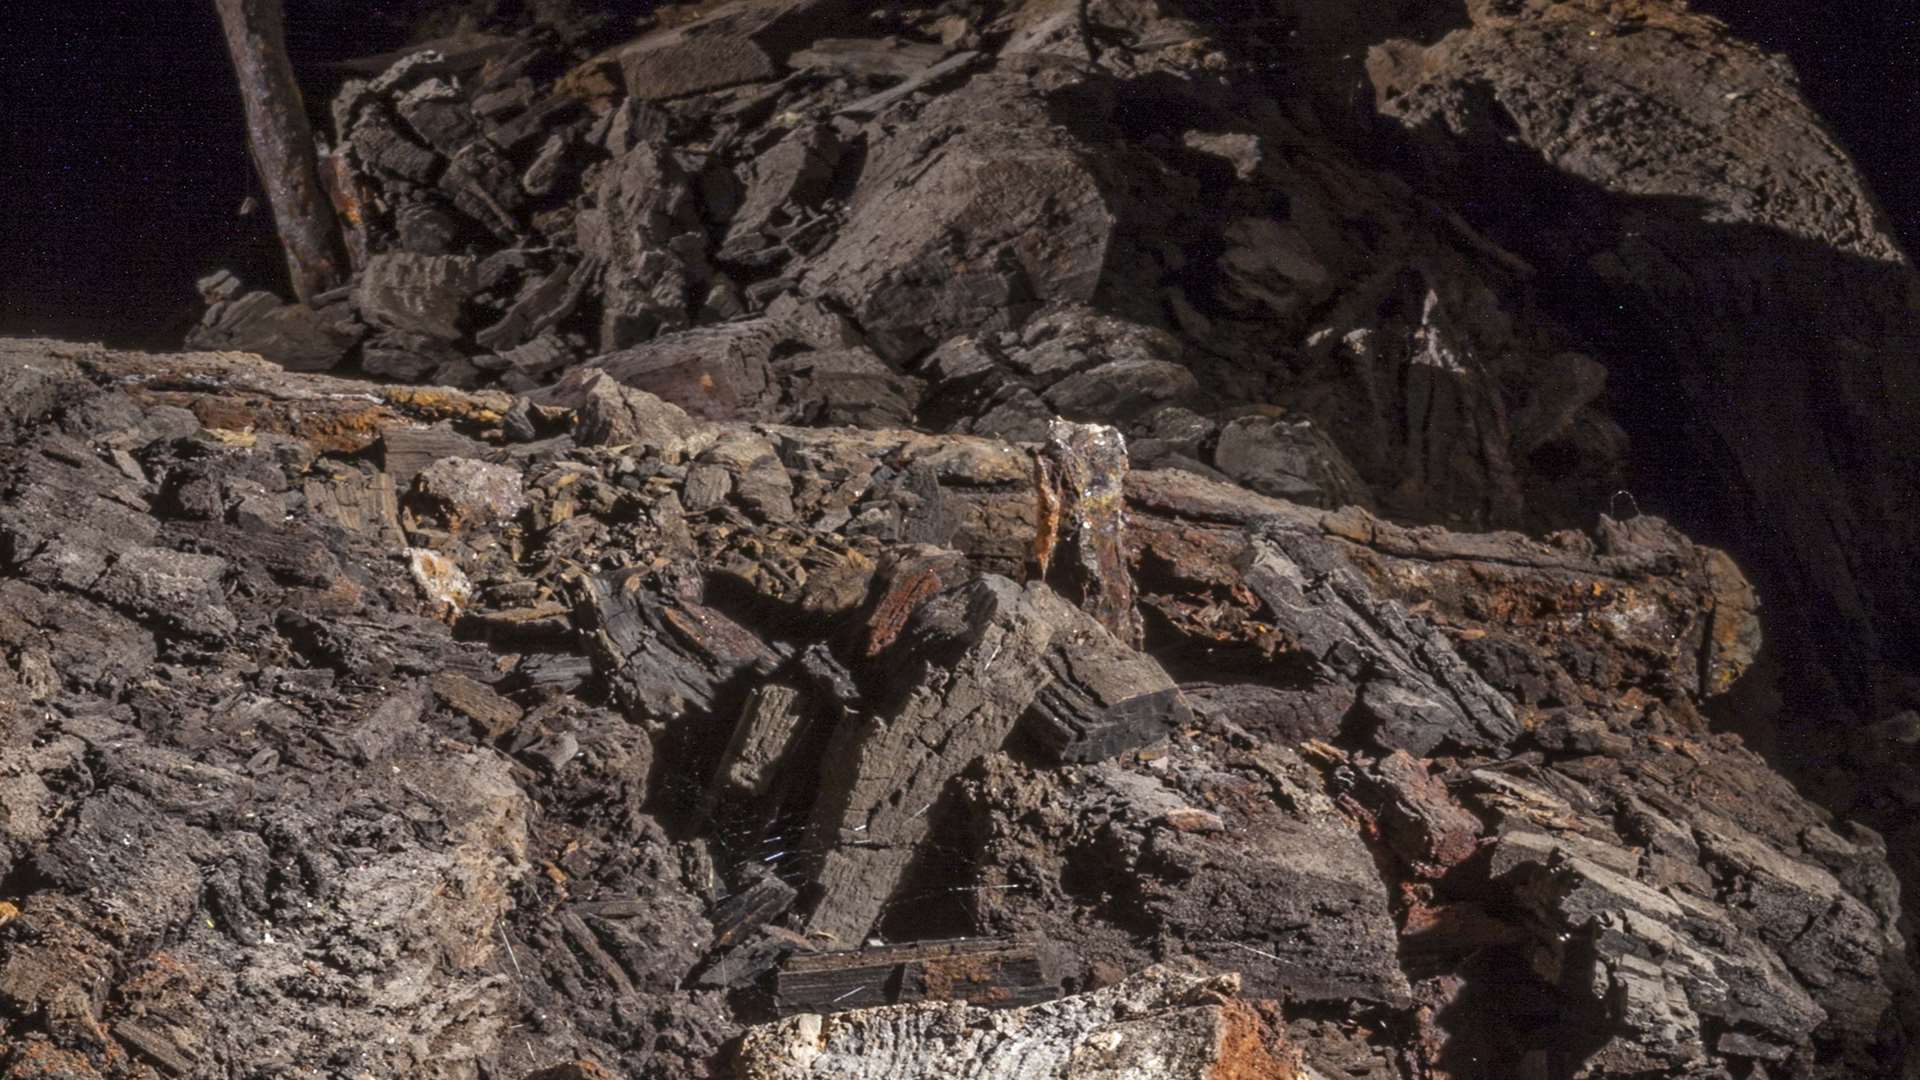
point(1250, 1049)
point(441, 404)
point(336, 426)
point(342, 430)
point(891, 613)
point(336, 175)
point(969, 978)
point(1046, 491)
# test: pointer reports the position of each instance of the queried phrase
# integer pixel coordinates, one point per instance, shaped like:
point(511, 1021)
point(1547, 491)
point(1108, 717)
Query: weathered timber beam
point(282, 144)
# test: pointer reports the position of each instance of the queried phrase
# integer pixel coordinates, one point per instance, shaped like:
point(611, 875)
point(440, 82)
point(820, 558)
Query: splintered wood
point(973, 660)
point(1080, 478)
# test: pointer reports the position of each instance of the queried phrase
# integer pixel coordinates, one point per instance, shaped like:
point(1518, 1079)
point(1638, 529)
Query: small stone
point(611, 414)
point(471, 492)
point(552, 754)
point(442, 581)
point(1192, 819)
point(707, 487)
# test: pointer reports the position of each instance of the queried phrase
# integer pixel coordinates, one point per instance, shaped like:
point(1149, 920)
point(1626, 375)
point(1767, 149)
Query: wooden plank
point(995, 972)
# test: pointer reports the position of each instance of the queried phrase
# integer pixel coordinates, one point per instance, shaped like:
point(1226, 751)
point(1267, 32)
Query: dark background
point(123, 161)
point(123, 158)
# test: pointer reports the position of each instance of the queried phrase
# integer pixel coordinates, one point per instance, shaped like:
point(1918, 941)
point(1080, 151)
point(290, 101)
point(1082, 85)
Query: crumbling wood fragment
point(607, 413)
point(1080, 480)
point(766, 729)
point(491, 714)
point(156, 1048)
point(903, 583)
point(927, 77)
point(662, 651)
point(597, 958)
point(868, 57)
point(282, 144)
point(358, 502)
point(1419, 818)
point(993, 972)
point(970, 662)
point(1104, 698)
point(749, 909)
point(705, 56)
point(406, 452)
point(295, 336)
point(1415, 692)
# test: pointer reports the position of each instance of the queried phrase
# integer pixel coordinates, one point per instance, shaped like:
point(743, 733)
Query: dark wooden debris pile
point(394, 729)
point(831, 540)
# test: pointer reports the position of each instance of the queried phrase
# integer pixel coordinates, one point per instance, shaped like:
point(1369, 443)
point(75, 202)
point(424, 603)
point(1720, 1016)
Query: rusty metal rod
point(282, 144)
